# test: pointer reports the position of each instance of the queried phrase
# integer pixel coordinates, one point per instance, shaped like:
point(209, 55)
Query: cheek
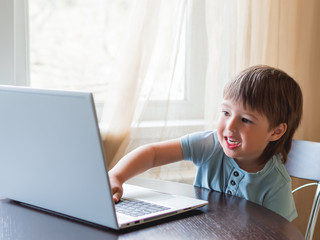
point(220, 123)
point(257, 139)
point(220, 129)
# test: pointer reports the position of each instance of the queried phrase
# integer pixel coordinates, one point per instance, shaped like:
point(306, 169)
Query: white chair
point(304, 162)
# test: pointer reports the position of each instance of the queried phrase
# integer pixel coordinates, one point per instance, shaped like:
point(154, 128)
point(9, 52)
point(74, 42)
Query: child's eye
point(245, 120)
point(225, 113)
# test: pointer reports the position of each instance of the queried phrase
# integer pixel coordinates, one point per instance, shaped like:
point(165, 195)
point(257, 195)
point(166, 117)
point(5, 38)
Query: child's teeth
point(232, 141)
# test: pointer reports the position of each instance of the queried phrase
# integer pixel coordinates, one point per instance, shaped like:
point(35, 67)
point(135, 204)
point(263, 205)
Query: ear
point(278, 131)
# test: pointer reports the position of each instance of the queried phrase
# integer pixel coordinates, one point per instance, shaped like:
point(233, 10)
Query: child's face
point(243, 133)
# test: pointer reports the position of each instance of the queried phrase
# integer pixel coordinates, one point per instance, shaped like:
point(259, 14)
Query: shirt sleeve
point(199, 146)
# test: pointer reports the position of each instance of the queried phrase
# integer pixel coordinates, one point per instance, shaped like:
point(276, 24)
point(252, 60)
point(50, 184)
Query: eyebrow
point(223, 104)
point(246, 111)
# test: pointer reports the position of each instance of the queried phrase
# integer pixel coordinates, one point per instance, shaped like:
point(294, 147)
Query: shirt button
point(229, 193)
point(235, 173)
point(233, 182)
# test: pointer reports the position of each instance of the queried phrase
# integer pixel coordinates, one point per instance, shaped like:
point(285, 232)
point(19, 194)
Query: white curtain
point(147, 56)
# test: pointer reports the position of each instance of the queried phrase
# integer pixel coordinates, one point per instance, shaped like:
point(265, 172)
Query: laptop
point(52, 158)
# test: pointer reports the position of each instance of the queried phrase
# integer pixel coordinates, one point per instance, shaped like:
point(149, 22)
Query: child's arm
point(142, 159)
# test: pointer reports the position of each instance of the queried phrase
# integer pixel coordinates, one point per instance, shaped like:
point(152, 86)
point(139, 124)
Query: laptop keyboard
point(136, 208)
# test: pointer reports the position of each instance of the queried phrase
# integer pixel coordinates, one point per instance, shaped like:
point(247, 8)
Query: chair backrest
point(304, 162)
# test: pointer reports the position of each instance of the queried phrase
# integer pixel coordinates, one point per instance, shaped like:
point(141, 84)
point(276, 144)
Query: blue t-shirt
point(270, 187)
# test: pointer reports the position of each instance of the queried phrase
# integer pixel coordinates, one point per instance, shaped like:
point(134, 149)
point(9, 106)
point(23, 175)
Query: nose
point(231, 124)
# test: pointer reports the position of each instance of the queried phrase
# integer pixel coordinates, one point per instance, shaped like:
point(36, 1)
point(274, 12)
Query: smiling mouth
point(232, 143)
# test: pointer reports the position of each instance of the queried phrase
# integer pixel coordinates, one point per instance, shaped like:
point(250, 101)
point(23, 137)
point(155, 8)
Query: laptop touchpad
point(136, 192)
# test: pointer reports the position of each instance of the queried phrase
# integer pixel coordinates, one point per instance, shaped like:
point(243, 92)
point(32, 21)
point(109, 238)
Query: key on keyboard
point(135, 208)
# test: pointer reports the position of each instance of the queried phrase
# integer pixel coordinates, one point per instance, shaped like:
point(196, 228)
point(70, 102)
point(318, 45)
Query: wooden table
point(225, 217)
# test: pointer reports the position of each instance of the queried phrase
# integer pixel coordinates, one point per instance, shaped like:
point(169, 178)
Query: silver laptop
point(51, 157)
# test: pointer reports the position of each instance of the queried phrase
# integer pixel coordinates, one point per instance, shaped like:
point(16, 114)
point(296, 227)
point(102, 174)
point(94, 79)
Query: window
point(191, 63)
point(73, 45)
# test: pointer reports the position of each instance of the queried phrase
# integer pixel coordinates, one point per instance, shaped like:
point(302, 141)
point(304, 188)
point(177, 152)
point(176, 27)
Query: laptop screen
point(51, 153)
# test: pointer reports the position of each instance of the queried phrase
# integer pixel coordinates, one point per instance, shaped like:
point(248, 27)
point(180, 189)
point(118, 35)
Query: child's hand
point(116, 187)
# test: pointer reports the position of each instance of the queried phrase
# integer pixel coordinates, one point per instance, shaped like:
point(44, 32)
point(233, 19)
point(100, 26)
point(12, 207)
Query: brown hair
point(274, 94)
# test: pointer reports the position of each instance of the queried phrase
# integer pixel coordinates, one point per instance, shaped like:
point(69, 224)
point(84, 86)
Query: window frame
point(14, 43)
point(192, 106)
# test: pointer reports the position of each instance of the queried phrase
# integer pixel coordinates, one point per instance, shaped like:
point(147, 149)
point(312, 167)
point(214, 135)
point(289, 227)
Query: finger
point(116, 197)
